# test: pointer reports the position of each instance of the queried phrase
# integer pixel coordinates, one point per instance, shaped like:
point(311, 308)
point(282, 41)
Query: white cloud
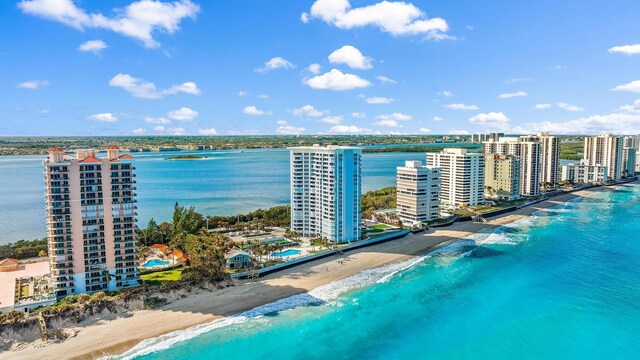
point(138, 20)
point(387, 122)
point(379, 100)
point(286, 129)
point(560, 67)
point(308, 111)
point(337, 81)
point(351, 129)
point(541, 106)
point(425, 130)
point(103, 117)
point(252, 110)
point(387, 80)
point(458, 132)
point(626, 49)
point(207, 132)
point(460, 106)
point(633, 108)
point(358, 115)
point(627, 124)
point(350, 56)
point(263, 96)
point(176, 131)
point(569, 107)
point(34, 84)
point(138, 131)
point(332, 119)
point(242, 93)
point(157, 120)
point(445, 93)
point(394, 17)
point(633, 86)
point(182, 114)
point(496, 120)
point(512, 95)
point(147, 90)
point(94, 46)
point(159, 128)
point(274, 64)
point(395, 116)
point(517, 80)
point(314, 68)
point(437, 118)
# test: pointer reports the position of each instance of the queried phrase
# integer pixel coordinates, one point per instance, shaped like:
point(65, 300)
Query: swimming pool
point(286, 253)
point(155, 263)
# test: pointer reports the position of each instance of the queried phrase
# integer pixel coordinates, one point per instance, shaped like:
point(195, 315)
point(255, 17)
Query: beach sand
point(110, 337)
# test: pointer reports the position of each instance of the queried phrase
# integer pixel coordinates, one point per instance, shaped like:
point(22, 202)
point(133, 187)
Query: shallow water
point(552, 287)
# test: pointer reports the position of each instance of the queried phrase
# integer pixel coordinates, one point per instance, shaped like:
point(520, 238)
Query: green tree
point(206, 257)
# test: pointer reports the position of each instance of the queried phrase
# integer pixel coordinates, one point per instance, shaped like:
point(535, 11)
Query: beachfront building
point(90, 206)
point(418, 193)
point(604, 150)
point(585, 174)
point(501, 177)
point(549, 156)
point(528, 151)
point(478, 138)
point(629, 155)
point(461, 176)
point(8, 265)
point(237, 259)
point(325, 192)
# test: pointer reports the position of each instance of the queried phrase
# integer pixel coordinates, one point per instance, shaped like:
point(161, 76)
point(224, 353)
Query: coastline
point(106, 337)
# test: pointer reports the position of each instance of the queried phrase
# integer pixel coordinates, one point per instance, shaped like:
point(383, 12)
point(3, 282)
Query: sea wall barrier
point(325, 254)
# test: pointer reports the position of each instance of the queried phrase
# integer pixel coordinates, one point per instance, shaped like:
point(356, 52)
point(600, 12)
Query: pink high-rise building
point(90, 206)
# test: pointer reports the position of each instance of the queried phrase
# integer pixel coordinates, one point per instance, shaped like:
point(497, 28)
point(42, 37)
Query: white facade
point(325, 192)
point(604, 150)
point(418, 192)
point(629, 155)
point(91, 221)
point(528, 152)
point(461, 177)
point(585, 174)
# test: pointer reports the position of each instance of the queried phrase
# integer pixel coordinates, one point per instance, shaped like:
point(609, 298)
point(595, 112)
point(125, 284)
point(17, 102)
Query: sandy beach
point(116, 336)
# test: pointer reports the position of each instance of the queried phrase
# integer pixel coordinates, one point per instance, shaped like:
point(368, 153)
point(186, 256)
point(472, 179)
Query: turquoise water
point(225, 183)
point(286, 253)
point(154, 263)
point(561, 285)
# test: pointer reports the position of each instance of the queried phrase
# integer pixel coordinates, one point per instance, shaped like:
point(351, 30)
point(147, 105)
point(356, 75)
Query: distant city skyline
point(190, 67)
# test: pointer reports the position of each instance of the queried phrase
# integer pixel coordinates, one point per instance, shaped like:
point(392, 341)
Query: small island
point(185, 157)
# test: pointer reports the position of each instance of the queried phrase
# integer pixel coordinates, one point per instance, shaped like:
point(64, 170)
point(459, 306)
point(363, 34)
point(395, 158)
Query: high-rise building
point(604, 150)
point(325, 192)
point(479, 137)
point(549, 157)
point(90, 206)
point(529, 154)
point(461, 176)
point(629, 155)
point(585, 174)
point(501, 177)
point(418, 192)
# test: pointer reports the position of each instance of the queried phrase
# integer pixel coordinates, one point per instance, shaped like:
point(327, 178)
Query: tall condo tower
point(461, 176)
point(529, 154)
point(325, 192)
point(90, 207)
point(604, 150)
point(418, 192)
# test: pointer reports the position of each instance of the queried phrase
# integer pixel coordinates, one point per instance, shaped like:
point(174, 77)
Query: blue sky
point(244, 67)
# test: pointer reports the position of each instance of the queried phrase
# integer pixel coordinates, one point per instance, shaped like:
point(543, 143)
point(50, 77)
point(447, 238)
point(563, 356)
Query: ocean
point(562, 284)
point(225, 183)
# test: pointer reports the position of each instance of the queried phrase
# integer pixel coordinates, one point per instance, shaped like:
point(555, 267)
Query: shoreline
point(105, 337)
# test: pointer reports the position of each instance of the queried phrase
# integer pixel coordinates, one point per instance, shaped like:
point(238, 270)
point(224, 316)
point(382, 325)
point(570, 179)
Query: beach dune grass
point(161, 277)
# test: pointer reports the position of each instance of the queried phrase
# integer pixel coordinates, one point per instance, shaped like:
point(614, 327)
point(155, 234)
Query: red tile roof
point(127, 156)
point(89, 159)
point(159, 247)
point(8, 262)
point(113, 147)
point(56, 149)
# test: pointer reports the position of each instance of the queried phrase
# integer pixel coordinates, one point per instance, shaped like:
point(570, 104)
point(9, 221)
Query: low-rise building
point(585, 174)
point(501, 177)
point(237, 259)
point(8, 265)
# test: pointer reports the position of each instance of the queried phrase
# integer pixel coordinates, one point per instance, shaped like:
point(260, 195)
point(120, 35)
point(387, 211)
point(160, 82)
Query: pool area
point(286, 253)
point(155, 263)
